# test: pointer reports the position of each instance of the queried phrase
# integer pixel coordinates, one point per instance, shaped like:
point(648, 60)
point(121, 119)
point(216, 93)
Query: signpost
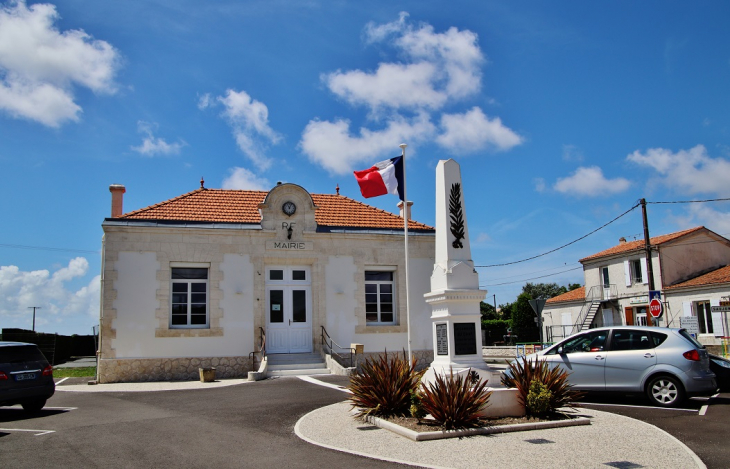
point(537, 306)
point(655, 305)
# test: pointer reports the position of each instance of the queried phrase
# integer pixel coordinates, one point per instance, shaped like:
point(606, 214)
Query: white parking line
point(37, 432)
point(703, 409)
point(59, 382)
point(309, 379)
point(638, 406)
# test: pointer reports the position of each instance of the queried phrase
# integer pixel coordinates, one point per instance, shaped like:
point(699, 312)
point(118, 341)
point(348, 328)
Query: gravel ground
point(610, 441)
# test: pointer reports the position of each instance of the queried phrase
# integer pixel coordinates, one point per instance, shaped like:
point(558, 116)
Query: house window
point(604, 277)
point(189, 305)
point(704, 317)
point(636, 271)
point(379, 297)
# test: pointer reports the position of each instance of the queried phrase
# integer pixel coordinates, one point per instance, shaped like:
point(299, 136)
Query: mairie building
point(207, 278)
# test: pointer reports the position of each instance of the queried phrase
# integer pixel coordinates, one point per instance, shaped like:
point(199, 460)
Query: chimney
point(400, 206)
point(117, 191)
point(621, 240)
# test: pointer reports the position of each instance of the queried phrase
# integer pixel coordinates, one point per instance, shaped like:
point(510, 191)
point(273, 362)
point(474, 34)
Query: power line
point(563, 246)
point(690, 201)
point(44, 248)
point(533, 278)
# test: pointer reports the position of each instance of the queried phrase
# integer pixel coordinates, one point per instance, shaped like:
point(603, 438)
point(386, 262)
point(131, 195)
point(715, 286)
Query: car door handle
point(598, 357)
point(648, 355)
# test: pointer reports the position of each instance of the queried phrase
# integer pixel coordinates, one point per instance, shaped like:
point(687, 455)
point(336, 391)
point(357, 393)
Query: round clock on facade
point(289, 208)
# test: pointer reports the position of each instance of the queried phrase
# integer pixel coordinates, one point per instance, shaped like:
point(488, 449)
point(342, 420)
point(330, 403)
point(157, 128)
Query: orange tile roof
point(579, 294)
point(241, 206)
point(638, 245)
point(721, 275)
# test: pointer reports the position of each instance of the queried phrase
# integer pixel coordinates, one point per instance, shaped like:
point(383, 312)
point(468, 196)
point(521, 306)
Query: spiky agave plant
point(454, 401)
point(383, 386)
point(520, 374)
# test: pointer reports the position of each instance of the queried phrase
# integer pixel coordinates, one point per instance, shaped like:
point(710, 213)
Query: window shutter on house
point(686, 308)
point(644, 274)
point(716, 319)
point(627, 272)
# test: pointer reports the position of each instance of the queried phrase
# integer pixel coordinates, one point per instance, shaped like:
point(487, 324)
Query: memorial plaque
point(442, 339)
point(465, 338)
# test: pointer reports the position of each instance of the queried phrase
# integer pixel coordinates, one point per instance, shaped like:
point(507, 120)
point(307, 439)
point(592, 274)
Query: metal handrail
point(329, 345)
point(261, 350)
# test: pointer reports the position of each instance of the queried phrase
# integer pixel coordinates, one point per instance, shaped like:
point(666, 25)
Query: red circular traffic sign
point(655, 308)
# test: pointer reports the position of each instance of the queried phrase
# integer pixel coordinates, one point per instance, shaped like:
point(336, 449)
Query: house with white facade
point(206, 278)
point(691, 268)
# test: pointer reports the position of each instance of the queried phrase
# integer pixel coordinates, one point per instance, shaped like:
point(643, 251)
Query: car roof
point(646, 328)
point(13, 344)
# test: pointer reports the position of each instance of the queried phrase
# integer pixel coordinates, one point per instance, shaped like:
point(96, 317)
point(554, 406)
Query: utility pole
point(647, 249)
point(647, 245)
point(34, 308)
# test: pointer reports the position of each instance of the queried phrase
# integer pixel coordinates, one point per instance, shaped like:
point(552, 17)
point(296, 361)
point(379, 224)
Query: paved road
point(707, 435)
point(250, 425)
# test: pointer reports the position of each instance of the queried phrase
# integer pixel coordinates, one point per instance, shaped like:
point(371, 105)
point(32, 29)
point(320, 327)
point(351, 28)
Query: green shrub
point(416, 408)
point(383, 386)
point(538, 399)
point(495, 329)
point(520, 375)
point(453, 401)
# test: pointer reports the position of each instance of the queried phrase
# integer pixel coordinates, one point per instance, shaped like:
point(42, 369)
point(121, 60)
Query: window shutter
point(644, 274)
point(627, 272)
point(717, 326)
point(686, 308)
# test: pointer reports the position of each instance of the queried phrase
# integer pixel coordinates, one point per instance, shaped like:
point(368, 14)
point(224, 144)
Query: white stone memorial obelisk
point(455, 295)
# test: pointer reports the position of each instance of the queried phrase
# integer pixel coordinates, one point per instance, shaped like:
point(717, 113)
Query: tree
point(574, 286)
point(523, 320)
point(488, 312)
point(543, 290)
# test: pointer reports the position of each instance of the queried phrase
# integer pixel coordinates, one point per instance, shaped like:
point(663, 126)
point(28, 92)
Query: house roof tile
point(721, 275)
point(241, 206)
point(639, 244)
point(579, 294)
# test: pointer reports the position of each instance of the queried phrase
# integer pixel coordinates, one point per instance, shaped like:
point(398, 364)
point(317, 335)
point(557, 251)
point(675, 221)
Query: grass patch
point(85, 371)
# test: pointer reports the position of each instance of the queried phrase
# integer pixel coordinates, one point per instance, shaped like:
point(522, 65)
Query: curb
point(440, 435)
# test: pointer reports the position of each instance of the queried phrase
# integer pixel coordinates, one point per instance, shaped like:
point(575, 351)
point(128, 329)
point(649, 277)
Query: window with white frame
point(704, 316)
point(379, 297)
point(636, 271)
point(189, 305)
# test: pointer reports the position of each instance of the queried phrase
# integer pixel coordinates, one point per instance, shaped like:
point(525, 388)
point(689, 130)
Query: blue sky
point(561, 114)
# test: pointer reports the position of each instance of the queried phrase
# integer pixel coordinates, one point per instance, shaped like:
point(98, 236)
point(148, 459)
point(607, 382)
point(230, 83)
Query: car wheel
point(665, 391)
point(34, 405)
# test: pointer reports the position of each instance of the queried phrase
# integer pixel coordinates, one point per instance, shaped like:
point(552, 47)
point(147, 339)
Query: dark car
point(26, 377)
point(721, 367)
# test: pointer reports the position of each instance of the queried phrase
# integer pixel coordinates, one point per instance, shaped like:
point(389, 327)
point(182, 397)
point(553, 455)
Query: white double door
point(288, 309)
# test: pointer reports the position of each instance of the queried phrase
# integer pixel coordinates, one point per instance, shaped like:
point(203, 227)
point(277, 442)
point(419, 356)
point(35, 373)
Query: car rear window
point(14, 354)
point(686, 335)
point(658, 338)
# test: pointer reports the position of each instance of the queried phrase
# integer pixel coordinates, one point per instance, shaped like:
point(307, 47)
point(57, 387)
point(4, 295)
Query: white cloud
point(690, 171)
point(39, 65)
point(242, 178)
point(331, 145)
point(590, 182)
point(19, 289)
point(702, 214)
point(249, 120)
point(539, 184)
point(205, 101)
point(438, 67)
point(473, 131)
point(572, 153)
point(153, 146)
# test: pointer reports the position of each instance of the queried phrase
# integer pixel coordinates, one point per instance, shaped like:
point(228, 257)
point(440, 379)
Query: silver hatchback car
point(666, 364)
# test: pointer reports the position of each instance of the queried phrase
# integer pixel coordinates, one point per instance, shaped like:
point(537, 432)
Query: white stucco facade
point(140, 342)
point(618, 285)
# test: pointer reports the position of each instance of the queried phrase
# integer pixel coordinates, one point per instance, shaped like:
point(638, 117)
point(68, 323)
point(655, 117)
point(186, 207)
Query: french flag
point(382, 178)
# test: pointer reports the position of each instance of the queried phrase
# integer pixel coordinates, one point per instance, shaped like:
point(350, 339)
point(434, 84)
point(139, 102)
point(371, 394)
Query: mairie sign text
point(289, 246)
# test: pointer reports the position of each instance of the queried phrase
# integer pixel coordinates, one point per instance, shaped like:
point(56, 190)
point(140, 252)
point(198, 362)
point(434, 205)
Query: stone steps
point(296, 364)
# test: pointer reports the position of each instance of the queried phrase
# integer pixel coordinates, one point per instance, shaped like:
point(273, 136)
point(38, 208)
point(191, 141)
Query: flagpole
point(405, 231)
